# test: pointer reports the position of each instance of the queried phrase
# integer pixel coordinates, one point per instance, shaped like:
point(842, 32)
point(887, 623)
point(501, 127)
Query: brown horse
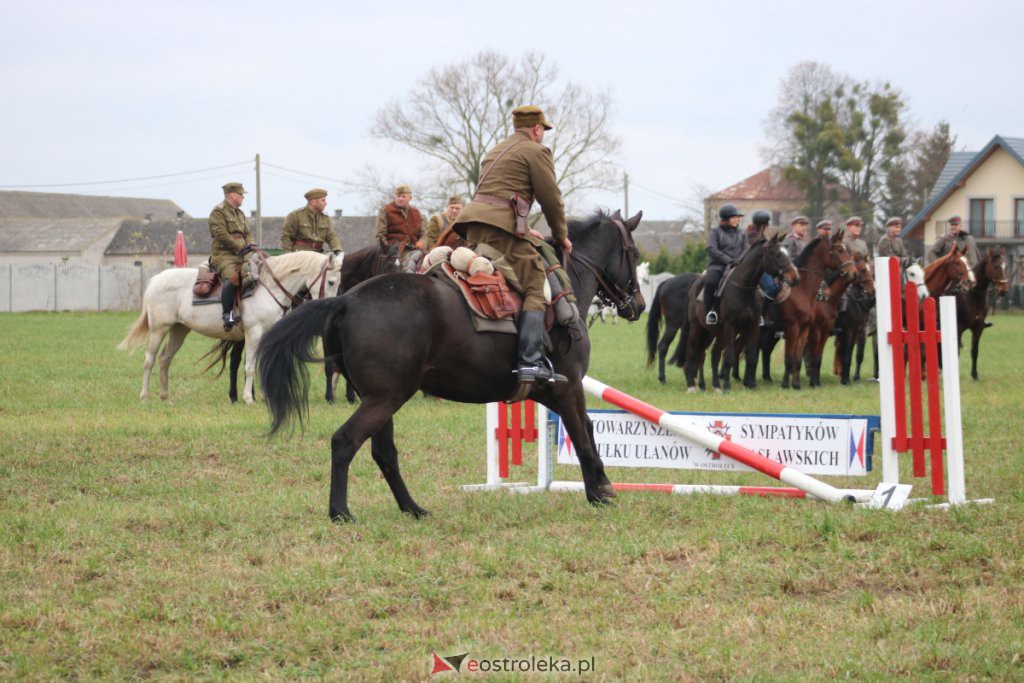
point(948, 274)
point(972, 305)
point(858, 296)
point(797, 311)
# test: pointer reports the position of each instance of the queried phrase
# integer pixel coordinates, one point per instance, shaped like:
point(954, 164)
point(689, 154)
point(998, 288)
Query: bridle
point(611, 294)
point(842, 264)
point(293, 299)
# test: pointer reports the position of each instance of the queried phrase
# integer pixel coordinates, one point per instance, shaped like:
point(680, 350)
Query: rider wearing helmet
point(725, 246)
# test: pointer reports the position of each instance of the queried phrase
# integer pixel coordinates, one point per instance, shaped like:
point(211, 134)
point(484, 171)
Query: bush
point(693, 259)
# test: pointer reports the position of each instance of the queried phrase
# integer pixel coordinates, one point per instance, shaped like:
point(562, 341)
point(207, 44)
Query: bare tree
point(805, 88)
point(455, 114)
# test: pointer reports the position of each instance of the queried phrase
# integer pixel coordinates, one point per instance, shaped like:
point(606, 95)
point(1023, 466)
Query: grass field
point(174, 541)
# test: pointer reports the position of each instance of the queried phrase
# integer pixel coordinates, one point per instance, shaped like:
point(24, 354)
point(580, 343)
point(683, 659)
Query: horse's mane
point(297, 260)
point(585, 225)
point(804, 256)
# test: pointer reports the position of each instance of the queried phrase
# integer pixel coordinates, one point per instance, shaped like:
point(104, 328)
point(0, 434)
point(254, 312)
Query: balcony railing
point(989, 230)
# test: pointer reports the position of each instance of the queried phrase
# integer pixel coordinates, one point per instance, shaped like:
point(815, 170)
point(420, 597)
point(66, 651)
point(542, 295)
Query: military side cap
point(955, 220)
point(823, 225)
point(403, 189)
point(895, 220)
point(316, 193)
point(529, 116)
point(800, 219)
point(234, 187)
point(455, 199)
point(854, 219)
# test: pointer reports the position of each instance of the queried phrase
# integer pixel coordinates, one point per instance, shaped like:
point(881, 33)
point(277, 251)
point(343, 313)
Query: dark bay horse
point(972, 305)
point(357, 266)
point(853, 323)
point(669, 303)
point(739, 309)
point(859, 300)
point(396, 334)
point(949, 274)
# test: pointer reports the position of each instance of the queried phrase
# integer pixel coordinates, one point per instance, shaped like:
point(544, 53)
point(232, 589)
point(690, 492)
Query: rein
point(294, 299)
point(611, 293)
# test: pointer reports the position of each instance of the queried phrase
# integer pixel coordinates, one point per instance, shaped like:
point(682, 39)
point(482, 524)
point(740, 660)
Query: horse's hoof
point(691, 390)
point(662, 380)
point(607, 490)
point(339, 517)
point(417, 513)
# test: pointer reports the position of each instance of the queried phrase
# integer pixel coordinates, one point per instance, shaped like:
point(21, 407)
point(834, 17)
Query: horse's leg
point(329, 377)
point(604, 484)
point(862, 342)
point(385, 454)
point(369, 418)
point(175, 336)
point(252, 342)
point(156, 337)
point(975, 342)
point(750, 371)
point(767, 349)
point(728, 357)
point(236, 360)
point(788, 351)
point(570, 404)
point(663, 344)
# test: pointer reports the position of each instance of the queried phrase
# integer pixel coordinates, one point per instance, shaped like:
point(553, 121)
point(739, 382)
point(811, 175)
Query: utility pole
point(259, 209)
point(625, 188)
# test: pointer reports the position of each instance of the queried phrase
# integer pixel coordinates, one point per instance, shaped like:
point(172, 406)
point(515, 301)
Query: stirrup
point(230, 320)
point(760, 321)
point(711, 318)
point(542, 371)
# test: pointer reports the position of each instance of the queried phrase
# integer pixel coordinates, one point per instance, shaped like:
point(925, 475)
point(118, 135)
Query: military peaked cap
point(955, 220)
point(895, 220)
point(529, 116)
point(454, 199)
point(234, 187)
point(316, 193)
point(854, 219)
point(403, 189)
point(823, 225)
point(800, 219)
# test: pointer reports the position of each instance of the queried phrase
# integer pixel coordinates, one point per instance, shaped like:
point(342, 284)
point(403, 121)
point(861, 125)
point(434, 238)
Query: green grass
point(174, 541)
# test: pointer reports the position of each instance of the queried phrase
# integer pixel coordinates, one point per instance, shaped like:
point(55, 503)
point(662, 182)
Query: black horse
point(669, 303)
point(395, 334)
point(358, 266)
point(739, 310)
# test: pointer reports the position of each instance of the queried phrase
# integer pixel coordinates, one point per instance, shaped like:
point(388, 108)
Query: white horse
point(167, 309)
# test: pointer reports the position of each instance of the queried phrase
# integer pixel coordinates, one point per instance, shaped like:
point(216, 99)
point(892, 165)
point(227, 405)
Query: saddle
point(208, 286)
point(492, 303)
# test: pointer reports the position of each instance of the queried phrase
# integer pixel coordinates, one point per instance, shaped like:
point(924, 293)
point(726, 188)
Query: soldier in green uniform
point(890, 244)
point(958, 236)
point(309, 228)
point(401, 225)
point(231, 240)
point(441, 222)
point(513, 174)
point(855, 244)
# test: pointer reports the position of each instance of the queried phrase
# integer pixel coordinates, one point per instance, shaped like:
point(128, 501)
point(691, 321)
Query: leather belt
point(520, 205)
point(306, 244)
point(494, 201)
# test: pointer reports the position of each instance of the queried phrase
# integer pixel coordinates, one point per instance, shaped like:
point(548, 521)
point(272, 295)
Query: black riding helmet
point(761, 218)
point(728, 211)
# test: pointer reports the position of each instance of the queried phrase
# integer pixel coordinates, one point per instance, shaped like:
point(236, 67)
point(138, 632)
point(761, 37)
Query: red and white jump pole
point(685, 428)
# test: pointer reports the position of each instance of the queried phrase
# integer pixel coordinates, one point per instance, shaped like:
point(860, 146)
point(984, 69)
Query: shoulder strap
point(495, 162)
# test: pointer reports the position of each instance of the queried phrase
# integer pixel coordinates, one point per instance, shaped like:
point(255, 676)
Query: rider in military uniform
point(440, 223)
point(400, 225)
point(231, 240)
point(725, 246)
point(514, 173)
point(796, 240)
point(309, 228)
point(958, 236)
point(852, 239)
point(891, 244)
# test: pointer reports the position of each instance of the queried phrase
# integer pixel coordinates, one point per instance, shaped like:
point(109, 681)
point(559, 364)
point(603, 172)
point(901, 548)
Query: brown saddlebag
point(206, 282)
point(493, 294)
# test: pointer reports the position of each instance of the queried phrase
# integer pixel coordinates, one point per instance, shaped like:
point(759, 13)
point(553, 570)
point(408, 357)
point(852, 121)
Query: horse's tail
point(678, 357)
point(281, 358)
point(138, 332)
point(218, 353)
point(653, 327)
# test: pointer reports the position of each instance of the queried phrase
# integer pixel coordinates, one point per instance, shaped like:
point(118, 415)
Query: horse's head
point(948, 273)
point(775, 261)
point(994, 269)
point(839, 259)
point(604, 245)
point(914, 273)
point(865, 278)
point(327, 278)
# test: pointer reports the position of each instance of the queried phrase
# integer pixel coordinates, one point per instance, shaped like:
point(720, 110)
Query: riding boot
point(533, 366)
point(227, 302)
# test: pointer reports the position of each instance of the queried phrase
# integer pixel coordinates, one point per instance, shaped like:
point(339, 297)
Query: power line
point(127, 180)
point(309, 175)
point(146, 187)
point(682, 203)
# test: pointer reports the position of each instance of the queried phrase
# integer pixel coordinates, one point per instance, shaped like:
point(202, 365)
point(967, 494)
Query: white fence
point(72, 286)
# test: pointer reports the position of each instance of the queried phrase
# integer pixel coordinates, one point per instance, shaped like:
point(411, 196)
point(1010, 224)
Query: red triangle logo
point(440, 665)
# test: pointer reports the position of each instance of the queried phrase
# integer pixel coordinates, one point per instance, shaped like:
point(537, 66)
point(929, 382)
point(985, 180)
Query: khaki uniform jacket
point(857, 246)
point(396, 224)
point(437, 224)
point(794, 245)
point(302, 224)
point(963, 240)
point(890, 246)
point(229, 233)
point(527, 169)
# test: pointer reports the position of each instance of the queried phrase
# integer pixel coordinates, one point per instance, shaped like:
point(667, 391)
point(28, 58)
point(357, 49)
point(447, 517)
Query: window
point(982, 223)
point(1018, 217)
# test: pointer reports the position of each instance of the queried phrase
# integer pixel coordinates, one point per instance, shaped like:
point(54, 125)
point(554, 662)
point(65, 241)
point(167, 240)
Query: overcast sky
point(108, 90)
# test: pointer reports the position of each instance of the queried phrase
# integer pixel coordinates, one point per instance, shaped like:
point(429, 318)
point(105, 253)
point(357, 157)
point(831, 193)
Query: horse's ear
point(634, 221)
point(617, 216)
point(838, 237)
